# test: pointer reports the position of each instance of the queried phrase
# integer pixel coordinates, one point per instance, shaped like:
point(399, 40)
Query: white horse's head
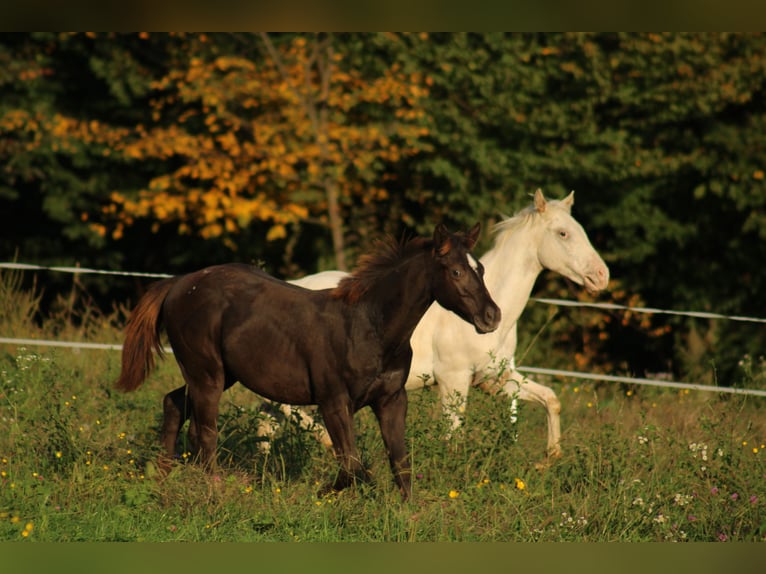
point(561, 243)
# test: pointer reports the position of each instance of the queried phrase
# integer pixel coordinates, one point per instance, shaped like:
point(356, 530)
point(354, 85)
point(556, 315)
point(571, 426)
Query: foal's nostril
point(491, 315)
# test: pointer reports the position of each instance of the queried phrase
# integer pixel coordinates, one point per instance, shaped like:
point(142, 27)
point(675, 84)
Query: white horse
point(449, 352)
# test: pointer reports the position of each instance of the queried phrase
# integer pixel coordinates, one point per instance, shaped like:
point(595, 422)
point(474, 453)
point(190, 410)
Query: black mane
point(386, 254)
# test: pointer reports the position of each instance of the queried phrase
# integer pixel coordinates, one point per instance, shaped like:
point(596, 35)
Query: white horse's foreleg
point(526, 389)
point(453, 394)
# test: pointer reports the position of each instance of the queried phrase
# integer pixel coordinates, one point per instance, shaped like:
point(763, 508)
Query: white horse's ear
point(540, 202)
point(568, 201)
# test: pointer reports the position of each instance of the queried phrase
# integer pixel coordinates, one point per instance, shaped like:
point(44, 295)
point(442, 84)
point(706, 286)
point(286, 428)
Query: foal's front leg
point(391, 412)
point(339, 420)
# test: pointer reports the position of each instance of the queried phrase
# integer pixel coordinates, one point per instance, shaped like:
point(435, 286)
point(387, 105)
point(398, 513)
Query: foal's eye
point(456, 273)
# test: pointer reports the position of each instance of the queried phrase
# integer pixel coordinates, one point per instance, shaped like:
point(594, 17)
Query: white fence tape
point(615, 306)
point(76, 270)
point(559, 302)
point(640, 381)
point(534, 370)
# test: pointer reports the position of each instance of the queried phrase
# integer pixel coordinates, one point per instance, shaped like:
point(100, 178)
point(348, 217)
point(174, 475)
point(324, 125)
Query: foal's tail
point(142, 337)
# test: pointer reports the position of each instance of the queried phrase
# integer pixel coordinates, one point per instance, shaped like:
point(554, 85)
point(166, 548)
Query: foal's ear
point(473, 235)
point(442, 240)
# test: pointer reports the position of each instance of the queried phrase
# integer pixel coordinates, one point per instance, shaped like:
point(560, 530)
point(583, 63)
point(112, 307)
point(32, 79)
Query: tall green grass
point(76, 462)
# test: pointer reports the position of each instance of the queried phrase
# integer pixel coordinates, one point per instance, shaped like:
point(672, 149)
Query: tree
point(284, 139)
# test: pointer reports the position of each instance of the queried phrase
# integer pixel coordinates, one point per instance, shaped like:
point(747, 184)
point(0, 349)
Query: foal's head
point(459, 281)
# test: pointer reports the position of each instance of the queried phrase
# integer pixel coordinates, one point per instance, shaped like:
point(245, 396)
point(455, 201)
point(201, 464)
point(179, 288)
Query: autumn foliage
point(268, 141)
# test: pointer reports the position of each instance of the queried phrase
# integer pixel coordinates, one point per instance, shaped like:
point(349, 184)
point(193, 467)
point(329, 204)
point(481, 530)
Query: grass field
point(76, 463)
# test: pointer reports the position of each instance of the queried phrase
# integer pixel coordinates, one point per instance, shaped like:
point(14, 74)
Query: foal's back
point(284, 342)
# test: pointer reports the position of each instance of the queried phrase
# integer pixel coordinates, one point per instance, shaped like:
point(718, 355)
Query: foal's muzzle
point(488, 320)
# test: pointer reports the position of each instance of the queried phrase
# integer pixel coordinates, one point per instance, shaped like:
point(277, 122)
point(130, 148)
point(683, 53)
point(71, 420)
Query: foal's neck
point(401, 297)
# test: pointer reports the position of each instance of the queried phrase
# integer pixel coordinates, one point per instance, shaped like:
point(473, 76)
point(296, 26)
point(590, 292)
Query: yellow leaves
point(236, 143)
point(276, 232)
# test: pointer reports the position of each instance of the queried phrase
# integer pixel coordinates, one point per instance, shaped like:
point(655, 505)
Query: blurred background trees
point(169, 152)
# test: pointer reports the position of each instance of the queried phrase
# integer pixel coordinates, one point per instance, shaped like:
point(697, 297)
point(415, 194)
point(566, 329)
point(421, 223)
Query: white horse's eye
point(563, 234)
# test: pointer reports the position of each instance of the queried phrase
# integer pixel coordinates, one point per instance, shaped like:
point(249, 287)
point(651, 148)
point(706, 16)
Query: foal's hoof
point(327, 490)
point(161, 468)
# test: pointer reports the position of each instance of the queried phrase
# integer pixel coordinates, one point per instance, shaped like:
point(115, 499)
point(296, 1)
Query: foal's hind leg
point(203, 428)
point(176, 410)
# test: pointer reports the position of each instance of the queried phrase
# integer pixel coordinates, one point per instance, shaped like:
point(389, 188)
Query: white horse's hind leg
point(526, 389)
point(267, 428)
point(308, 423)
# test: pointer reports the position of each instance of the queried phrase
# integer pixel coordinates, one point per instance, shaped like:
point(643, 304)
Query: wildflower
point(734, 496)
point(454, 494)
point(722, 537)
point(714, 490)
point(755, 450)
point(58, 454)
point(691, 518)
point(643, 439)
point(519, 483)
point(753, 499)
